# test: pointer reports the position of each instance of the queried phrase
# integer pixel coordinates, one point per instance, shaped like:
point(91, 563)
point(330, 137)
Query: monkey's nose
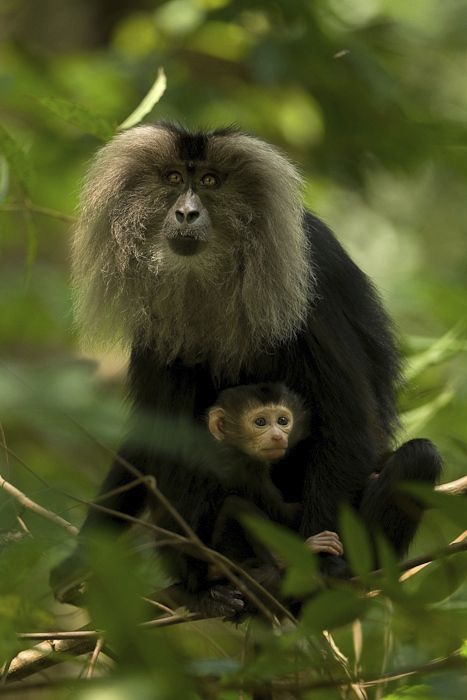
point(186, 216)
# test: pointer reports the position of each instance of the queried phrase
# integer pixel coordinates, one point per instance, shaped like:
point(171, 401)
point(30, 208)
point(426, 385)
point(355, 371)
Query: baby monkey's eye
point(174, 177)
point(209, 180)
point(260, 422)
point(283, 420)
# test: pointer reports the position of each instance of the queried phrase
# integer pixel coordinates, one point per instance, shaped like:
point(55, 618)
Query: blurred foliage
point(369, 97)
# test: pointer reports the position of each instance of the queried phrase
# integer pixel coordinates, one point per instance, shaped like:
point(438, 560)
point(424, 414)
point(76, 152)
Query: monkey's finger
point(324, 537)
point(333, 540)
point(334, 544)
point(330, 549)
point(327, 535)
point(325, 545)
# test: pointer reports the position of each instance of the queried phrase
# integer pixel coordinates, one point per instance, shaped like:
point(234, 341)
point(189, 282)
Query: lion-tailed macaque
point(195, 253)
point(258, 424)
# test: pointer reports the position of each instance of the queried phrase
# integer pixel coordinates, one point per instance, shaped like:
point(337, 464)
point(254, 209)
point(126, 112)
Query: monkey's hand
point(220, 600)
point(329, 547)
point(325, 541)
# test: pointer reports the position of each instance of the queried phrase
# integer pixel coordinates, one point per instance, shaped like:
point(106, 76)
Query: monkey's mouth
point(274, 452)
point(186, 245)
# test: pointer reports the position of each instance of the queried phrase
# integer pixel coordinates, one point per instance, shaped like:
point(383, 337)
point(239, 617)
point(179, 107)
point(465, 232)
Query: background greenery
point(369, 97)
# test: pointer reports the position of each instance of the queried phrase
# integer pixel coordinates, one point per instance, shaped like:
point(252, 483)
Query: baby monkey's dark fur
point(249, 484)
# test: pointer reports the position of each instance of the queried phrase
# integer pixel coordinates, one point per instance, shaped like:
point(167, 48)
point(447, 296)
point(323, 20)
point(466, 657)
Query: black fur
point(344, 363)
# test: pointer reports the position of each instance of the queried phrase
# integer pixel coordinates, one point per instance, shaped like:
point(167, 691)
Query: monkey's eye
point(174, 177)
point(283, 420)
point(209, 180)
point(260, 422)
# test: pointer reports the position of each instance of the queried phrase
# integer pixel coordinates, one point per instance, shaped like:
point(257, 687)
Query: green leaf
point(147, 104)
point(412, 421)
point(301, 576)
point(453, 507)
point(357, 546)
point(331, 609)
point(389, 583)
point(80, 117)
point(441, 579)
point(16, 157)
point(441, 350)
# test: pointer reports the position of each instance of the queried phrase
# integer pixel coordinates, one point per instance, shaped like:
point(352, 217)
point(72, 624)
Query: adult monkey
point(194, 250)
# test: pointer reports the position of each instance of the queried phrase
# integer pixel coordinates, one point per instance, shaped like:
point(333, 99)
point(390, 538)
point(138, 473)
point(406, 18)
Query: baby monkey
point(257, 425)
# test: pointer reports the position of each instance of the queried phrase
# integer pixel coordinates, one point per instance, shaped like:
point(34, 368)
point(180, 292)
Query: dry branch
point(44, 656)
point(412, 567)
point(454, 488)
point(35, 507)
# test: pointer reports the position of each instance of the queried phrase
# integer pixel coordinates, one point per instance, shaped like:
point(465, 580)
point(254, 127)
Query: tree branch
point(36, 209)
point(413, 566)
point(455, 488)
point(35, 507)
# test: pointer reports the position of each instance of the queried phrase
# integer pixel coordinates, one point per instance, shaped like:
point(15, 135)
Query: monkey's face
point(180, 246)
point(188, 225)
point(207, 207)
point(262, 432)
point(267, 430)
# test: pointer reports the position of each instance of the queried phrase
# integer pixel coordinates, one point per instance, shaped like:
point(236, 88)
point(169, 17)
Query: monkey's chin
point(274, 453)
point(186, 247)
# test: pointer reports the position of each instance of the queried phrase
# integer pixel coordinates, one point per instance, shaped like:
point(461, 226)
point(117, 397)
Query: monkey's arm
point(348, 361)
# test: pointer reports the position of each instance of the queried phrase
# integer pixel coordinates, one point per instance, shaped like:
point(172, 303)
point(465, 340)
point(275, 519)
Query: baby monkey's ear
point(216, 422)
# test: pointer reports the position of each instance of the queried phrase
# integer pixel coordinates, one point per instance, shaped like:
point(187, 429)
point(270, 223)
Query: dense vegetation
point(369, 97)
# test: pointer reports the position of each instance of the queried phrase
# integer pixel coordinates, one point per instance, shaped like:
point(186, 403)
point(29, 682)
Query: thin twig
point(211, 555)
point(412, 567)
point(459, 546)
point(452, 662)
point(35, 209)
point(95, 656)
point(20, 520)
point(174, 539)
point(35, 507)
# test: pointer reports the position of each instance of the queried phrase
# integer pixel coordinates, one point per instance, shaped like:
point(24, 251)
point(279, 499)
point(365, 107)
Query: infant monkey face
point(267, 430)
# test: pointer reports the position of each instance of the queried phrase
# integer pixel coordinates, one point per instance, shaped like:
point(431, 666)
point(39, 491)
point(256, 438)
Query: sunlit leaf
point(147, 104)
point(80, 117)
point(422, 343)
point(440, 351)
point(413, 421)
point(179, 17)
point(223, 40)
